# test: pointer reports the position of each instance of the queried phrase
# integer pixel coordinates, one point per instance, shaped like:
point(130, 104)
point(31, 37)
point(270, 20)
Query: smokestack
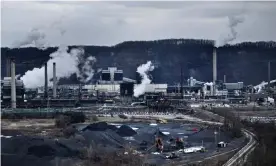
point(268, 72)
point(214, 65)
point(46, 82)
point(8, 67)
point(214, 69)
point(54, 81)
point(13, 85)
point(181, 81)
point(224, 78)
point(80, 89)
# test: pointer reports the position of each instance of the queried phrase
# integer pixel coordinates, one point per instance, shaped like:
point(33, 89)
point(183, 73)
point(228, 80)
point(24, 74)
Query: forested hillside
point(245, 62)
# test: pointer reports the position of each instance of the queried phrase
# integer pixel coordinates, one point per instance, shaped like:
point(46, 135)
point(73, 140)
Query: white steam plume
point(86, 72)
point(66, 65)
point(35, 38)
point(143, 71)
point(233, 23)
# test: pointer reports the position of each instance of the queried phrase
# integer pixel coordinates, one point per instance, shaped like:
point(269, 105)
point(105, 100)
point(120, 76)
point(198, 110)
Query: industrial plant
point(117, 84)
point(166, 123)
point(113, 85)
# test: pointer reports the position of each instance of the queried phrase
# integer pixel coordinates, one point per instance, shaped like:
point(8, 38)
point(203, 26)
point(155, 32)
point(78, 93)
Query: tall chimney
point(214, 69)
point(54, 81)
point(13, 85)
point(224, 78)
point(214, 65)
point(268, 72)
point(46, 82)
point(181, 81)
point(8, 67)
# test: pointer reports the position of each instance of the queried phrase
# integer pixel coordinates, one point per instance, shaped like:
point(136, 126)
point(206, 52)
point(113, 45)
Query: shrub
point(95, 118)
point(76, 117)
point(122, 116)
point(96, 156)
point(69, 131)
point(62, 121)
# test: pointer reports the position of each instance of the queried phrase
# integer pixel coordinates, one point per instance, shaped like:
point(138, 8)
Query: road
point(244, 152)
point(248, 148)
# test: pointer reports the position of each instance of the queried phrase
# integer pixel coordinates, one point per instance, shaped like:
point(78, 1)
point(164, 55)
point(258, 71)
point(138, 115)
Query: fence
point(35, 113)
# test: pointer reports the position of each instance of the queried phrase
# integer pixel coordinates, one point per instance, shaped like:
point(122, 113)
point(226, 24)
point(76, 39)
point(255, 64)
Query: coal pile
point(36, 146)
point(148, 134)
point(27, 160)
point(126, 131)
point(103, 138)
point(100, 126)
point(102, 134)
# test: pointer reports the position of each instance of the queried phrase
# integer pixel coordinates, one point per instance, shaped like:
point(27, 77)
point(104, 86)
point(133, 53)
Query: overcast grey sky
point(109, 23)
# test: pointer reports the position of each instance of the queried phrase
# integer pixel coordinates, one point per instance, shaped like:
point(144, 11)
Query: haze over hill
point(55, 27)
point(240, 62)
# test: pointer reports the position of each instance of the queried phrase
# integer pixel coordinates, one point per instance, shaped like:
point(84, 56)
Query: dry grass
point(96, 156)
point(62, 121)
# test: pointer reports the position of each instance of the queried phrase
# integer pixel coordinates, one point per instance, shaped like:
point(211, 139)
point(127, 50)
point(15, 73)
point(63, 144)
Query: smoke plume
point(35, 38)
point(66, 65)
point(233, 22)
point(86, 72)
point(143, 71)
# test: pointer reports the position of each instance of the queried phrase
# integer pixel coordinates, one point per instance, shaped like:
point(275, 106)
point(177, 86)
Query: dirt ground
point(23, 123)
point(255, 113)
point(44, 127)
point(38, 127)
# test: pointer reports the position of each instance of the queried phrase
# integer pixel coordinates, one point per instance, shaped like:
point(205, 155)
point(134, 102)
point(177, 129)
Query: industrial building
point(112, 83)
point(111, 76)
point(6, 90)
point(124, 87)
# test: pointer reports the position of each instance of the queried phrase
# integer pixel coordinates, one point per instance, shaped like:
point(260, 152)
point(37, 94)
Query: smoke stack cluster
point(70, 61)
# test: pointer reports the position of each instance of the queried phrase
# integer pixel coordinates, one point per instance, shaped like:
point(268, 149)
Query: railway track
point(244, 152)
